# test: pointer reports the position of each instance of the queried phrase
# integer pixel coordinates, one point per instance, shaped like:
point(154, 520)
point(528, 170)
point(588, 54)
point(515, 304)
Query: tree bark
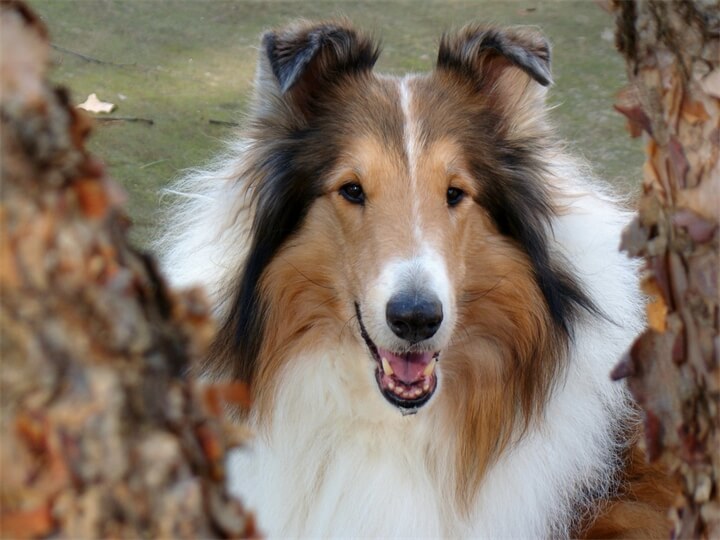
point(672, 51)
point(102, 433)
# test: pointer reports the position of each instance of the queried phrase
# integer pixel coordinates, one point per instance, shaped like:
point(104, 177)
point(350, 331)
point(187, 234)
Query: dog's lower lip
point(408, 395)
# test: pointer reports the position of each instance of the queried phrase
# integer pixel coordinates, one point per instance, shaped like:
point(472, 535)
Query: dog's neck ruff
point(338, 461)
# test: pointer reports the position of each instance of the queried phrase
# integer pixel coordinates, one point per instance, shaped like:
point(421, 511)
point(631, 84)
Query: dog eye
point(454, 196)
point(353, 193)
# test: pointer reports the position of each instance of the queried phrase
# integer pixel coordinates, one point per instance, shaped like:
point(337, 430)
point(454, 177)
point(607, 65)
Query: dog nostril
point(414, 317)
point(400, 327)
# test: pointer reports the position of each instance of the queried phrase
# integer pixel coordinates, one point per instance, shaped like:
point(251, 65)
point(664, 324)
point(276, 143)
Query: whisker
point(346, 324)
point(309, 280)
point(470, 297)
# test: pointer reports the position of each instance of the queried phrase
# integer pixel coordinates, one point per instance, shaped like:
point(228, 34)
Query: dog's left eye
point(353, 193)
point(454, 196)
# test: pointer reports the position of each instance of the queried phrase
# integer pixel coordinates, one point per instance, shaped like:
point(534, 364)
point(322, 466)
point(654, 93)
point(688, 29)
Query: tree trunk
point(672, 51)
point(102, 434)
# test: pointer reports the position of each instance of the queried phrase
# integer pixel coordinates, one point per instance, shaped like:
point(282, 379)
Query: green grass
point(183, 63)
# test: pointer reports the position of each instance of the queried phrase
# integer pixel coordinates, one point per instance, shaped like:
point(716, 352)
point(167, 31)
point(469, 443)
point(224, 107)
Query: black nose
point(414, 317)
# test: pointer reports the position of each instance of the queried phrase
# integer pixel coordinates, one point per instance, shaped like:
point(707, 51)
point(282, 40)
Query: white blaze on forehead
point(425, 269)
point(411, 141)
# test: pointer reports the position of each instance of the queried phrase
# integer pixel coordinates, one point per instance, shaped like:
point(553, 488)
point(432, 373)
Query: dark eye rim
point(352, 192)
point(454, 196)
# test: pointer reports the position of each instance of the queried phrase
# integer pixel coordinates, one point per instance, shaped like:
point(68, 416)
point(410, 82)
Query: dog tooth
point(391, 385)
point(386, 366)
point(417, 392)
point(398, 390)
point(426, 386)
point(429, 368)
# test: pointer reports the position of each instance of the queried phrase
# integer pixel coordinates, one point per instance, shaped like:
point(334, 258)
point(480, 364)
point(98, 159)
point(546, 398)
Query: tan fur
point(641, 508)
point(311, 283)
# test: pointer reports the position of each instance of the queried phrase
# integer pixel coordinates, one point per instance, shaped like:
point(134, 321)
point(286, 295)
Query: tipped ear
point(299, 61)
point(505, 62)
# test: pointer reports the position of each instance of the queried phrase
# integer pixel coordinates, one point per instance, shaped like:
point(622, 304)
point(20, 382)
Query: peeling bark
point(672, 50)
point(103, 435)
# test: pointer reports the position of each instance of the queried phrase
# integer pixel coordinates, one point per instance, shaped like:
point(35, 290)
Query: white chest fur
point(339, 462)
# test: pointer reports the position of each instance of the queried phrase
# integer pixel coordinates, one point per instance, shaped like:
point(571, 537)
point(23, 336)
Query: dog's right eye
point(353, 193)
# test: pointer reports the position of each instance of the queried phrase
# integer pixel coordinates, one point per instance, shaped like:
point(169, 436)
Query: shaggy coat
point(426, 294)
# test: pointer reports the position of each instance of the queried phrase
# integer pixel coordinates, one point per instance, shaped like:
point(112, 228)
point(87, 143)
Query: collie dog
point(426, 295)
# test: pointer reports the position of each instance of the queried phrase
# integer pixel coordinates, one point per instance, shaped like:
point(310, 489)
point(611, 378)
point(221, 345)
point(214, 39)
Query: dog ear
point(501, 62)
point(298, 62)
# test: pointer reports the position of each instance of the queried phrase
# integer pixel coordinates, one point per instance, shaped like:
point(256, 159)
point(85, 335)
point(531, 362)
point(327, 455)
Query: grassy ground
point(184, 63)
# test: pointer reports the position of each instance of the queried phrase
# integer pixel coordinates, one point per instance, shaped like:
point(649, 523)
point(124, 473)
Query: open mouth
point(406, 379)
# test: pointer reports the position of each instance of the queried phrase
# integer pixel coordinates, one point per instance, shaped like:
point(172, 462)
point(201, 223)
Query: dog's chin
point(407, 380)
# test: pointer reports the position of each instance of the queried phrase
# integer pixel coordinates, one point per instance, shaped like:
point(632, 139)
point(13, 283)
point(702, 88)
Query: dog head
point(410, 215)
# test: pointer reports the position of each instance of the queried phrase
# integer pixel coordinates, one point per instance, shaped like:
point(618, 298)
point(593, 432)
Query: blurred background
point(187, 66)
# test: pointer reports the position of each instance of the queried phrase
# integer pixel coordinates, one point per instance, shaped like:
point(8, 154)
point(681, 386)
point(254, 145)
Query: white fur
point(339, 461)
point(410, 139)
point(427, 272)
point(206, 237)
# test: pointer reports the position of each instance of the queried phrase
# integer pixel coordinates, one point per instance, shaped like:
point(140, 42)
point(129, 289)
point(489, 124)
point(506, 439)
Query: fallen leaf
point(93, 104)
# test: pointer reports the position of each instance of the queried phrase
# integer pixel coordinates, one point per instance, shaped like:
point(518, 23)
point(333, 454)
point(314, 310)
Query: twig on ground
point(89, 58)
point(222, 122)
point(124, 119)
point(146, 165)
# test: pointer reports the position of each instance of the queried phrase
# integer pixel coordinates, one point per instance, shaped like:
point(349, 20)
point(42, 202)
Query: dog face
point(408, 213)
point(403, 218)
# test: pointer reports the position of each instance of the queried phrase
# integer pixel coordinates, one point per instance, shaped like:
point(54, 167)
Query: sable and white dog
point(426, 294)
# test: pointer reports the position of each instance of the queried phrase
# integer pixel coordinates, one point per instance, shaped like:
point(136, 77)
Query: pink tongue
point(407, 367)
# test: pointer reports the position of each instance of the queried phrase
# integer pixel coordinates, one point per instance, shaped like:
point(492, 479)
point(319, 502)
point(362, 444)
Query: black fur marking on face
point(294, 156)
point(288, 189)
point(510, 175)
point(514, 194)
